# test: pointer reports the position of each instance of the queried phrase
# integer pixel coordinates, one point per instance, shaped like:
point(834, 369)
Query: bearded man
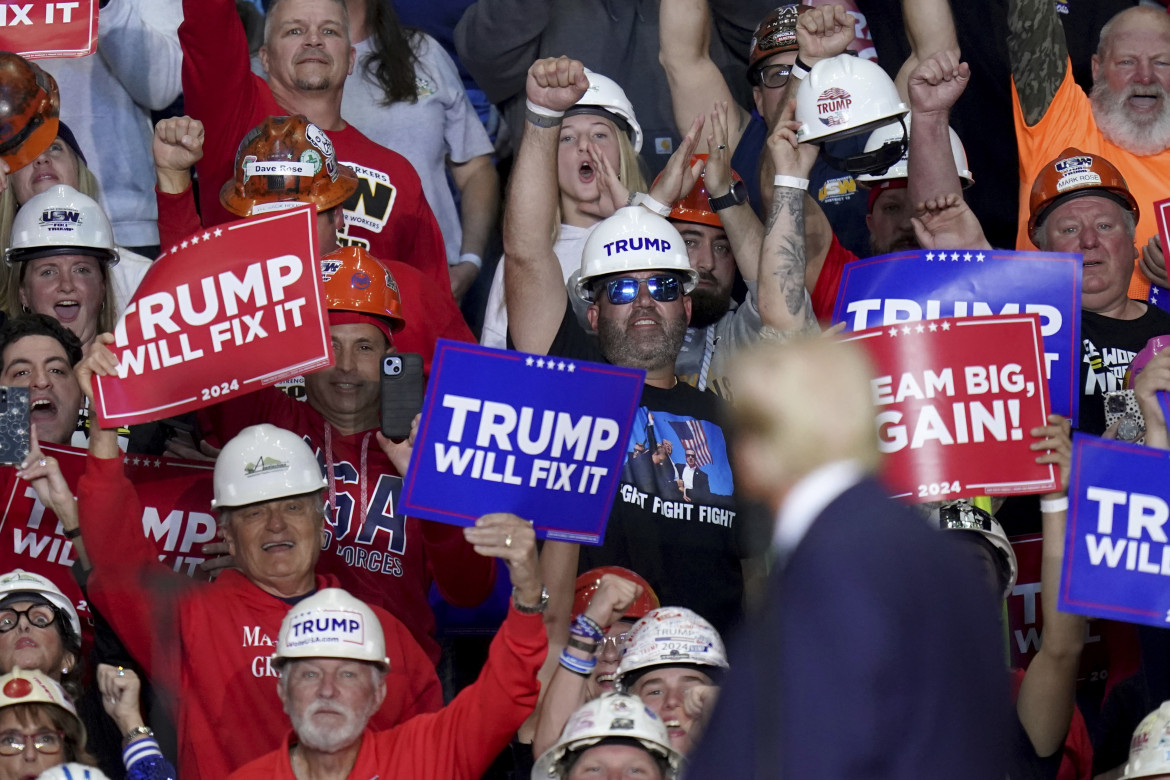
point(1126, 119)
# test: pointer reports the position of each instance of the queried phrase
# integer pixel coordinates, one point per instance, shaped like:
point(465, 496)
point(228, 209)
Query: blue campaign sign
point(1116, 551)
point(504, 431)
point(1160, 297)
point(929, 285)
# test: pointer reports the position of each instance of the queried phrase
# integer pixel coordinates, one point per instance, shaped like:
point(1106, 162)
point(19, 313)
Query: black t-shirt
point(1107, 347)
point(688, 550)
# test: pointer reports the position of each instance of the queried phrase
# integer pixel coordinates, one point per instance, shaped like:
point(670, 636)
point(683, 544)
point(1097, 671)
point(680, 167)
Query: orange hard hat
point(286, 160)
point(696, 207)
point(588, 583)
point(356, 281)
point(29, 105)
point(775, 34)
point(1075, 174)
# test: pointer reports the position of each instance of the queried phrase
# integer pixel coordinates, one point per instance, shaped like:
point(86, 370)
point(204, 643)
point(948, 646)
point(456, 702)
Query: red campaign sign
point(176, 517)
point(956, 399)
point(49, 28)
point(223, 313)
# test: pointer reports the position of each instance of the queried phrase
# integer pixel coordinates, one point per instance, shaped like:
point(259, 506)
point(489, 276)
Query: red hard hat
point(588, 583)
point(696, 207)
point(1075, 174)
point(355, 281)
point(29, 104)
point(286, 159)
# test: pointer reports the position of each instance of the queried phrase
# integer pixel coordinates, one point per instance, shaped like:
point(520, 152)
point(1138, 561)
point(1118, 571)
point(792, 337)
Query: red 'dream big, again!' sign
point(228, 310)
point(37, 29)
point(956, 399)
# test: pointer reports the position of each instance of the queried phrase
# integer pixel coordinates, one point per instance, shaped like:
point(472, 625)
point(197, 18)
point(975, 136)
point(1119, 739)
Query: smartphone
point(402, 393)
point(14, 424)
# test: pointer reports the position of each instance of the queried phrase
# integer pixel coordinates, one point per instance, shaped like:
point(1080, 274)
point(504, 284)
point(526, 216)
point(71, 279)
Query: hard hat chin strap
point(874, 162)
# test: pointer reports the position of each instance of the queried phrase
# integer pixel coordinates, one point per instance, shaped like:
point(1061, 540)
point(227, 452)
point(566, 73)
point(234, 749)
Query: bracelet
point(550, 113)
point(587, 627)
point(577, 665)
point(72, 533)
point(136, 733)
point(541, 116)
point(647, 201)
point(584, 647)
point(795, 182)
point(800, 68)
point(471, 257)
point(1052, 505)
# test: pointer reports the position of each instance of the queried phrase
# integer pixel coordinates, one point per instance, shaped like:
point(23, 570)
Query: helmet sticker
point(324, 627)
point(263, 465)
point(61, 219)
point(318, 138)
point(17, 688)
point(313, 158)
point(621, 724)
point(393, 285)
point(833, 106)
point(1074, 181)
point(1074, 164)
point(248, 160)
point(328, 268)
point(278, 168)
point(360, 280)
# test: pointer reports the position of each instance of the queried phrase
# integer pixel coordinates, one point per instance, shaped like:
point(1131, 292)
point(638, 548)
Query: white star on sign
point(174, 249)
point(529, 361)
point(194, 240)
point(979, 257)
point(561, 366)
point(955, 257)
point(918, 328)
point(906, 329)
point(946, 326)
point(551, 365)
point(571, 368)
point(184, 245)
point(218, 232)
point(929, 256)
point(157, 463)
point(206, 236)
point(540, 362)
point(893, 332)
point(967, 257)
point(933, 327)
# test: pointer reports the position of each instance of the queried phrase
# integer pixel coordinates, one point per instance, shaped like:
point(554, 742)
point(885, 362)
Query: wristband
point(541, 116)
point(577, 665)
point(471, 257)
point(586, 626)
point(584, 647)
point(647, 201)
point(795, 182)
point(72, 533)
point(1053, 505)
point(800, 69)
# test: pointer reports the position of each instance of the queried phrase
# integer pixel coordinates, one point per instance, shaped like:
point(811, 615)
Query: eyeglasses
point(14, 742)
point(616, 641)
point(663, 288)
point(773, 76)
point(40, 615)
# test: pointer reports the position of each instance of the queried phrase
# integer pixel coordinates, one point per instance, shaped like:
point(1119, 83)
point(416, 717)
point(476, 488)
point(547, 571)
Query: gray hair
point(270, 18)
point(1040, 237)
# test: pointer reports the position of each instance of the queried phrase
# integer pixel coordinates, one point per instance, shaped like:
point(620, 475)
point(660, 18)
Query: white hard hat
point(961, 516)
point(633, 239)
point(29, 686)
point(73, 771)
point(332, 624)
point(607, 98)
point(264, 463)
point(61, 221)
point(613, 715)
point(892, 133)
point(844, 96)
point(1149, 750)
point(670, 636)
point(19, 581)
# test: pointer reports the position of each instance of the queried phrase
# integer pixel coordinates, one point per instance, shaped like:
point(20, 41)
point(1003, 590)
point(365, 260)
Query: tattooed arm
point(784, 303)
point(1038, 53)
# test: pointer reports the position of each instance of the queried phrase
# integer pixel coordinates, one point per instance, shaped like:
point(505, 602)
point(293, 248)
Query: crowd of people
point(674, 186)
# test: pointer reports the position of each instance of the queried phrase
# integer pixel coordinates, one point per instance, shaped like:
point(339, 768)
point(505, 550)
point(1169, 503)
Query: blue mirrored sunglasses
point(663, 288)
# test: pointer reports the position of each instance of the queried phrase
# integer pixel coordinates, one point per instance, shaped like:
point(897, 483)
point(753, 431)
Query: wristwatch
point(136, 733)
point(526, 609)
point(738, 195)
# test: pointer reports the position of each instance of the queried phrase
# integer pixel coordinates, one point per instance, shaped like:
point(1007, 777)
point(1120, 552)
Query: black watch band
point(736, 196)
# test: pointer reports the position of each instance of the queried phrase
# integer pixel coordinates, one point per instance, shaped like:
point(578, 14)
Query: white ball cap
point(73, 771)
point(612, 715)
point(332, 624)
point(844, 96)
point(21, 581)
point(61, 220)
point(634, 239)
point(1149, 750)
point(264, 463)
point(670, 636)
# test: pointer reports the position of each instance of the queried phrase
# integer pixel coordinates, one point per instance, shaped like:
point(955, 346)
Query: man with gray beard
point(637, 277)
point(1126, 119)
point(331, 655)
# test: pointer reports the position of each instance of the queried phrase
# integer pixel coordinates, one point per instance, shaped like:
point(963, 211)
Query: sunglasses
point(663, 288)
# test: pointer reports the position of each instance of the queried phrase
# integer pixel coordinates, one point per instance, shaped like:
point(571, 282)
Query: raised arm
point(930, 28)
point(783, 299)
point(1038, 54)
point(695, 81)
point(1048, 692)
point(744, 229)
point(479, 196)
point(534, 287)
point(126, 41)
point(934, 87)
